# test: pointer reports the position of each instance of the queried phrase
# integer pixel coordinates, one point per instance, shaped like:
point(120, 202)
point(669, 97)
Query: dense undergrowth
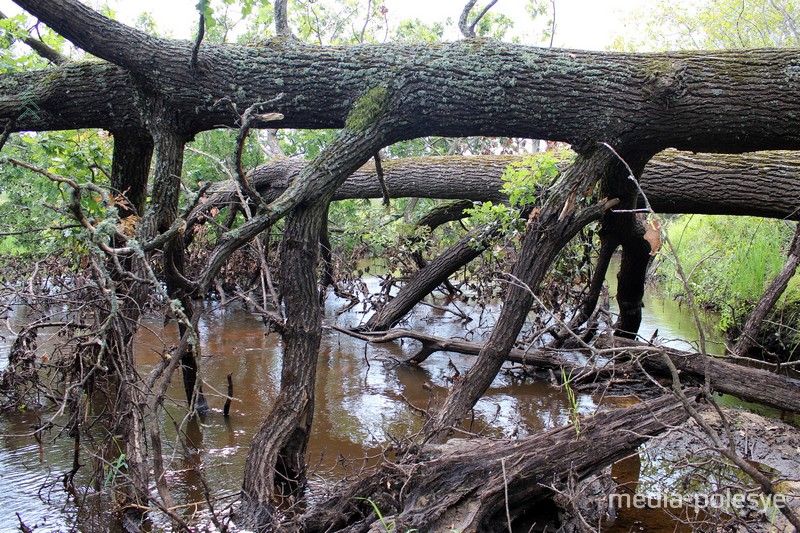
point(730, 261)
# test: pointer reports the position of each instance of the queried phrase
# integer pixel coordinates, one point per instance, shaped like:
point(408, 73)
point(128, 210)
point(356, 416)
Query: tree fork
point(275, 464)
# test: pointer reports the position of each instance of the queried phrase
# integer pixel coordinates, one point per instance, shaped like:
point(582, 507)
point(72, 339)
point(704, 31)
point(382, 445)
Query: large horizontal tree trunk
point(465, 491)
point(701, 101)
point(758, 184)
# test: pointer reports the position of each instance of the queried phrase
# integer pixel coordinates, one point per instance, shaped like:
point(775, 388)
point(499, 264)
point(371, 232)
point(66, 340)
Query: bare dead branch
point(468, 28)
point(201, 31)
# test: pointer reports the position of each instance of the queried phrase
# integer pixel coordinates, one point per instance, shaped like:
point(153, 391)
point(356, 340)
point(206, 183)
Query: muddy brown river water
point(361, 406)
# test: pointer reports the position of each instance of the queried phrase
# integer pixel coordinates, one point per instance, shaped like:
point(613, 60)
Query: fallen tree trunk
point(425, 280)
point(549, 359)
point(749, 384)
point(466, 490)
point(756, 184)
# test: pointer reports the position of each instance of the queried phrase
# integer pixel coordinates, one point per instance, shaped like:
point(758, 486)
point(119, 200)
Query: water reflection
point(362, 397)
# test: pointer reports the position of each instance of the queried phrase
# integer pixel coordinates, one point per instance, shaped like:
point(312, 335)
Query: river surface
point(361, 406)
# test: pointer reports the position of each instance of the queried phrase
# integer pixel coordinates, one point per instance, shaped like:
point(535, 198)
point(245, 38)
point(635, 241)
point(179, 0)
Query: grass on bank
point(730, 260)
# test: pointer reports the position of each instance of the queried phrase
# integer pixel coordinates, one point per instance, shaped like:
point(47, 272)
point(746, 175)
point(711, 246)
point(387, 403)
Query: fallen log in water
point(476, 487)
point(750, 384)
point(431, 344)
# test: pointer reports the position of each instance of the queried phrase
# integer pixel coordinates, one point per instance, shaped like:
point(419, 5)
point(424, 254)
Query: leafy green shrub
point(730, 261)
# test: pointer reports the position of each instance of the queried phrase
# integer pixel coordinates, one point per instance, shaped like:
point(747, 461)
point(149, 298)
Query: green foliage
point(714, 24)
point(416, 31)
point(33, 208)
point(489, 213)
point(574, 417)
point(305, 143)
point(388, 526)
point(17, 57)
point(524, 181)
point(494, 26)
point(729, 261)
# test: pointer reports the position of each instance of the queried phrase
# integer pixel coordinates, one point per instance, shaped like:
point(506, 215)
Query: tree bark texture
point(722, 101)
point(130, 168)
point(465, 491)
point(426, 279)
point(276, 458)
point(133, 150)
point(749, 384)
point(758, 184)
point(559, 220)
point(727, 101)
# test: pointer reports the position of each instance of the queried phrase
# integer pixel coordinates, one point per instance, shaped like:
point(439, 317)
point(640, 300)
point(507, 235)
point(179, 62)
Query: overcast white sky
point(585, 24)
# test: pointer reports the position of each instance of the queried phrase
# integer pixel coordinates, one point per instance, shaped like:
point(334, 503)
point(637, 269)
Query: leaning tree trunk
point(276, 459)
point(275, 465)
point(425, 280)
point(559, 220)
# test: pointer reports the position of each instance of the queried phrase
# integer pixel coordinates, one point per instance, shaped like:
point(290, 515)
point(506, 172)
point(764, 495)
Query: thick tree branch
point(468, 28)
point(201, 33)
point(282, 19)
point(699, 101)
point(464, 491)
point(759, 184)
point(95, 33)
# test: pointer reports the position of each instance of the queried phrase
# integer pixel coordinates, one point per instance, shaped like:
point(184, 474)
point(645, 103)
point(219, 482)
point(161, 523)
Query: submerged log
point(482, 483)
point(749, 384)
point(547, 359)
